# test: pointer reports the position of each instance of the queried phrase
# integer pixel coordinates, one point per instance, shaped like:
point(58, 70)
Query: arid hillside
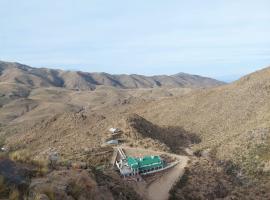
point(224, 130)
point(43, 77)
point(28, 94)
point(19, 180)
point(233, 121)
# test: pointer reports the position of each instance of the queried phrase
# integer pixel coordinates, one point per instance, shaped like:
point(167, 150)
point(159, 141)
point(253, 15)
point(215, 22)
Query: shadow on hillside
point(14, 176)
point(177, 138)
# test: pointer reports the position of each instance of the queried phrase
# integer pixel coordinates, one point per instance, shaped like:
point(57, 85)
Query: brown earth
point(233, 121)
point(43, 77)
point(62, 183)
point(157, 186)
point(228, 124)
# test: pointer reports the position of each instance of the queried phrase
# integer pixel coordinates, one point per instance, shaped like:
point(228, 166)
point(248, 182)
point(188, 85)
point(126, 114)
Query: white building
point(114, 130)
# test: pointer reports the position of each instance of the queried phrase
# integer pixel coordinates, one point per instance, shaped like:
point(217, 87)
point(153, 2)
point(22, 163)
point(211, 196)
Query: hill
point(226, 127)
point(232, 121)
point(43, 77)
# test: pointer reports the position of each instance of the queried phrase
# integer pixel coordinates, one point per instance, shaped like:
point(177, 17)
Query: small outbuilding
point(3, 149)
point(114, 130)
point(112, 142)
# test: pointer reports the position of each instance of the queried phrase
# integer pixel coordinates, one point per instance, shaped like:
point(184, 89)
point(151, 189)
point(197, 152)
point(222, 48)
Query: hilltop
point(44, 77)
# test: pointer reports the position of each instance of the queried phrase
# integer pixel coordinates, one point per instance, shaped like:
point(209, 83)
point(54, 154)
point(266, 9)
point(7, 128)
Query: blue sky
point(223, 39)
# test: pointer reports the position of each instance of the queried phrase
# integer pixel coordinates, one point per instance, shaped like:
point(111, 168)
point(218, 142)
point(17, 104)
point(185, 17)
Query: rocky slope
point(23, 181)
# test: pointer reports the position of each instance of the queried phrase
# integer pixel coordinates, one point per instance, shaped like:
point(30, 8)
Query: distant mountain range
point(44, 77)
point(226, 128)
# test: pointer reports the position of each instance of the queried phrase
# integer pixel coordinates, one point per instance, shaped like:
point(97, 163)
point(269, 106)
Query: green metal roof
point(132, 162)
point(144, 162)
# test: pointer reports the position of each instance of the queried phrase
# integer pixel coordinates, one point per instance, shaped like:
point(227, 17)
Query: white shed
point(114, 130)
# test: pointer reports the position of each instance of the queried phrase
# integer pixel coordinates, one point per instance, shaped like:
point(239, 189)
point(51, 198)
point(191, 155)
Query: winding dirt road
point(159, 188)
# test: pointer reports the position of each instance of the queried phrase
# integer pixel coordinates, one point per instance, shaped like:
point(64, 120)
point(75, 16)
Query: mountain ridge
point(226, 129)
point(78, 80)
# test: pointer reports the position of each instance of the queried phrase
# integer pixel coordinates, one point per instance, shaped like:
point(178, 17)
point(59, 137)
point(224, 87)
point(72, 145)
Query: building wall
point(151, 167)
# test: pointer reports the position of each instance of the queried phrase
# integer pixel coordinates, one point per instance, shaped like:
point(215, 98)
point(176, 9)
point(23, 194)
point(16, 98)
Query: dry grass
point(42, 167)
point(14, 194)
point(21, 156)
point(8, 192)
point(223, 117)
point(48, 191)
point(76, 190)
point(3, 187)
point(25, 156)
point(2, 140)
point(221, 183)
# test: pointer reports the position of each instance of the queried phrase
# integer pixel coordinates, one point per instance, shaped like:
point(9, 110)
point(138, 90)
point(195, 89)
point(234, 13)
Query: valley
point(220, 131)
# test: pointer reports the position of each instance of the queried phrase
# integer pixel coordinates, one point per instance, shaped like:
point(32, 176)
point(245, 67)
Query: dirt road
point(159, 188)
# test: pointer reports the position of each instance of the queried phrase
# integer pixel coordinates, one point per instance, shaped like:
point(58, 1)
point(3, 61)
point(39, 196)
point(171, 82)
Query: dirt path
point(159, 189)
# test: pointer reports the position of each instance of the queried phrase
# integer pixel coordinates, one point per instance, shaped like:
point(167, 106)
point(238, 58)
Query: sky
point(223, 39)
